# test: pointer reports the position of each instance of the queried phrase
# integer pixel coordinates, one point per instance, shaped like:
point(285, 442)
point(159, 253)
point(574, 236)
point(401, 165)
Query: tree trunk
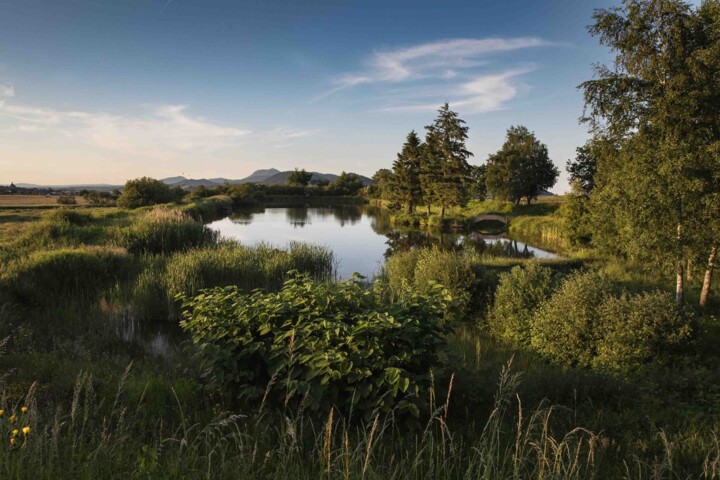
point(689, 271)
point(442, 212)
point(680, 275)
point(428, 208)
point(707, 282)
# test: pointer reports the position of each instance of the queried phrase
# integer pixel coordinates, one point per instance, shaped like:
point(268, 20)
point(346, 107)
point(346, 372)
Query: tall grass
point(544, 231)
point(88, 436)
point(54, 276)
point(229, 263)
point(261, 266)
point(163, 231)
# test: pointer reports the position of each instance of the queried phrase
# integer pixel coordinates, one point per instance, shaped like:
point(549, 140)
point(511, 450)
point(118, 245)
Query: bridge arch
point(490, 217)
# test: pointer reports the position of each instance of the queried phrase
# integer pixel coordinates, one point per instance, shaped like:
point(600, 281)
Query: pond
point(361, 237)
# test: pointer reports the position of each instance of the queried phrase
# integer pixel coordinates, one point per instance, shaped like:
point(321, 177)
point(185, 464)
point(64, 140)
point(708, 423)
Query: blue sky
point(102, 91)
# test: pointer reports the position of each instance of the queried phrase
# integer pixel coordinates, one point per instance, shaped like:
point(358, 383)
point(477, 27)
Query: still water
point(361, 237)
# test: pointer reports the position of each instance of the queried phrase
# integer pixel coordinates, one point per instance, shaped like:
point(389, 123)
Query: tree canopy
point(146, 191)
point(521, 168)
point(658, 103)
point(299, 177)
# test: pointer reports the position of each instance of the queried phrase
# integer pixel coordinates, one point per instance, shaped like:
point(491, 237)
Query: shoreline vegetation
point(58, 268)
point(135, 342)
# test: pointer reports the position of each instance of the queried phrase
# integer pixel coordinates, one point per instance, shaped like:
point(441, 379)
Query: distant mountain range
point(270, 176)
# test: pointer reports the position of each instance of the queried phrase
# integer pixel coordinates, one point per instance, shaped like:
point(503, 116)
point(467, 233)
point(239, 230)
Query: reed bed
point(92, 437)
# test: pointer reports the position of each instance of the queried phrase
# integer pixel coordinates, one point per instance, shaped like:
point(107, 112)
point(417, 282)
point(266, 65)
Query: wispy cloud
point(157, 132)
point(7, 90)
point(436, 59)
point(483, 93)
point(448, 65)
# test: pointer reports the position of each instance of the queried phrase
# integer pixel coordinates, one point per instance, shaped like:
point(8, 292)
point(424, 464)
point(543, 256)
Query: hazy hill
point(270, 176)
point(281, 178)
point(257, 176)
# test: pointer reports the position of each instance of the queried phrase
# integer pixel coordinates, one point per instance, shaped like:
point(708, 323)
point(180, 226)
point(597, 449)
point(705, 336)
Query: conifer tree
point(446, 172)
point(404, 184)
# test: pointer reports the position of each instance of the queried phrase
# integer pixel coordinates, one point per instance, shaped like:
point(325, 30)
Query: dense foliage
point(146, 191)
point(320, 346)
point(567, 327)
point(519, 293)
point(299, 177)
point(521, 168)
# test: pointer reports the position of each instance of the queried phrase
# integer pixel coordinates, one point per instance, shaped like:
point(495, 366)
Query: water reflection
point(360, 236)
point(159, 339)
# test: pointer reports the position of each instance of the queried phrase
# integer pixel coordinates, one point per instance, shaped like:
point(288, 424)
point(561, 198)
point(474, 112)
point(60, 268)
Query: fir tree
point(446, 171)
point(404, 184)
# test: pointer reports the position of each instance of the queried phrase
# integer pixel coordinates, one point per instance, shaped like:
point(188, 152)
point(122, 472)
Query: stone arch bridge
point(490, 217)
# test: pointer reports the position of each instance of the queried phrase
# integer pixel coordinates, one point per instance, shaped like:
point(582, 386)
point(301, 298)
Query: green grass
point(66, 318)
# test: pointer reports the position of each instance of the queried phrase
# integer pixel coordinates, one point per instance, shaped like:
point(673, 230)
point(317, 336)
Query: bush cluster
point(519, 293)
point(210, 208)
point(145, 191)
point(319, 345)
point(583, 322)
point(463, 274)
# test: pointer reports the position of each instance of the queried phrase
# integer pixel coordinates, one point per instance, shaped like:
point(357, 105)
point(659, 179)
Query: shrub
point(210, 208)
point(567, 327)
point(71, 216)
point(245, 267)
point(635, 329)
point(519, 293)
point(146, 191)
point(53, 276)
point(320, 346)
point(67, 200)
point(163, 231)
point(463, 274)
point(246, 194)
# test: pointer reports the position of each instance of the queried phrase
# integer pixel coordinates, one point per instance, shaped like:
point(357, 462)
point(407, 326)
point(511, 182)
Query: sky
point(100, 91)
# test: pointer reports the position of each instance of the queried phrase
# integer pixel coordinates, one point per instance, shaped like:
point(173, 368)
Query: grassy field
point(23, 201)
point(92, 347)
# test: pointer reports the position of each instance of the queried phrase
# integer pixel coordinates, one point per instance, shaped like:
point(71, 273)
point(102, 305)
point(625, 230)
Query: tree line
point(436, 171)
point(646, 186)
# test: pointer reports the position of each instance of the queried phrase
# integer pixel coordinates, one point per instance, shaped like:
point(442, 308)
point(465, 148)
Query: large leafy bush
point(635, 329)
point(519, 293)
point(566, 328)
point(463, 274)
point(317, 345)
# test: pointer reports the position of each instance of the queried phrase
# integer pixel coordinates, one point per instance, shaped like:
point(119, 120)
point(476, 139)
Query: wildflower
point(15, 432)
point(12, 418)
point(2, 413)
point(12, 441)
point(24, 409)
point(26, 431)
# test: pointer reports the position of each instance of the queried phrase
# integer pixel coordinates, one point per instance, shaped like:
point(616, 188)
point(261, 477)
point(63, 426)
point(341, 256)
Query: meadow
point(468, 380)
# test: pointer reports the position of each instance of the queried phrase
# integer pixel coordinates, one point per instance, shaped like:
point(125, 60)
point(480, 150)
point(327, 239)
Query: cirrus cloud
point(446, 66)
